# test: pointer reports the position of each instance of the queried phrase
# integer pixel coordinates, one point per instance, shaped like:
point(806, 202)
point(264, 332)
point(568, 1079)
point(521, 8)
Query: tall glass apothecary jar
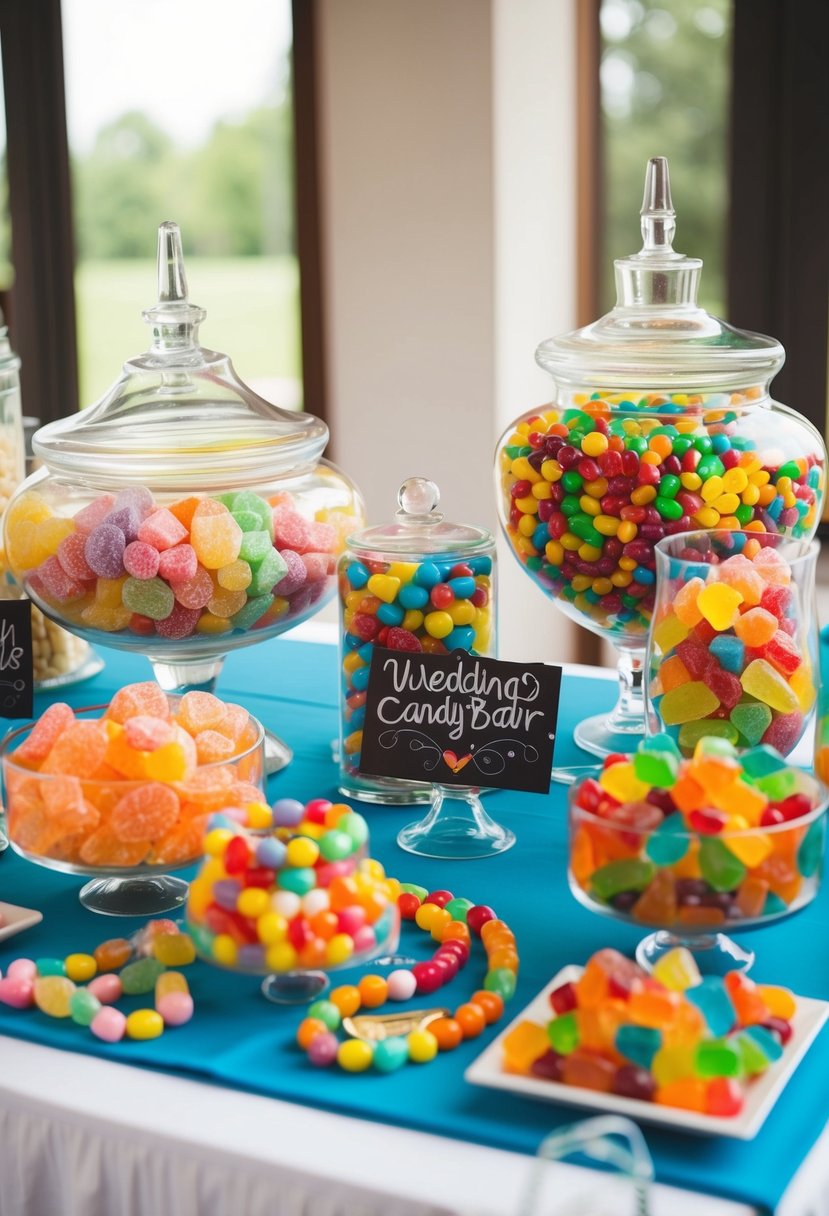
point(661, 422)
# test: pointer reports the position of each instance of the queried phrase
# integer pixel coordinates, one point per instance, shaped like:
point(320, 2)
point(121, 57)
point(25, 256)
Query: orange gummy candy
point(182, 843)
point(79, 751)
point(198, 711)
point(145, 813)
point(212, 747)
point(146, 698)
point(43, 735)
point(104, 848)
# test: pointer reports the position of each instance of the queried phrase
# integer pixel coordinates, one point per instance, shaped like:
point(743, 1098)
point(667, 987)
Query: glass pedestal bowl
point(661, 423)
point(181, 516)
point(692, 887)
point(64, 822)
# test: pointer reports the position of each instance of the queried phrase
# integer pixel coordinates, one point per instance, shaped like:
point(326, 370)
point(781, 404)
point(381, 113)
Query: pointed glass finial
point(658, 216)
point(172, 281)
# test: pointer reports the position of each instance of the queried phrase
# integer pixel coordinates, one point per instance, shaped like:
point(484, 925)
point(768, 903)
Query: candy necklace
point(389, 1041)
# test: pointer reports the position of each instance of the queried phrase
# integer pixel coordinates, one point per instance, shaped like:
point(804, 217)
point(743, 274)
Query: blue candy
point(359, 678)
point(638, 1043)
point(427, 575)
point(357, 575)
point(729, 652)
point(413, 596)
point(461, 638)
point(390, 614)
point(712, 1000)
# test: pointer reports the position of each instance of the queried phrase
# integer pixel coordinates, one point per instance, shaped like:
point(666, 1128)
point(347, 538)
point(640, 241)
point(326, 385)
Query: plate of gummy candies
point(709, 1055)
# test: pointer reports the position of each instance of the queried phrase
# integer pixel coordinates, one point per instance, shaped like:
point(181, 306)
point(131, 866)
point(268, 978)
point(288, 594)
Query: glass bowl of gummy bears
point(181, 516)
point(662, 422)
point(697, 847)
point(122, 793)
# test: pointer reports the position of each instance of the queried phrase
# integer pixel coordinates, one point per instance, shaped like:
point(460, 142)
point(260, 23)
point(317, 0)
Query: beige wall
point(447, 165)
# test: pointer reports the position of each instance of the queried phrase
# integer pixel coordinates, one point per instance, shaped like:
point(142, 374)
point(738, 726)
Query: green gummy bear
point(629, 874)
point(720, 868)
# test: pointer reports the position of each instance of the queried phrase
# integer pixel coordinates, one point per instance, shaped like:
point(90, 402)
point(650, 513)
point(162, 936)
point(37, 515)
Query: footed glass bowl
point(692, 887)
point(123, 834)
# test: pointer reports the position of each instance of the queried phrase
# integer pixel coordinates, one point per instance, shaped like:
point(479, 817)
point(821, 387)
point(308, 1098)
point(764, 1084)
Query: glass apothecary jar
point(181, 516)
point(661, 423)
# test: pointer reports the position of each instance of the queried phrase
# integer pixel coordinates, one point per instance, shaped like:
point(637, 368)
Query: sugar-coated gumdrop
point(162, 530)
point(181, 623)
point(215, 534)
point(178, 564)
point(144, 698)
point(296, 575)
point(50, 725)
point(104, 551)
point(141, 560)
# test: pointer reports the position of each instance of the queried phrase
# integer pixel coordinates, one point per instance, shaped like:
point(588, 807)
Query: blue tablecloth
point(237, 1039)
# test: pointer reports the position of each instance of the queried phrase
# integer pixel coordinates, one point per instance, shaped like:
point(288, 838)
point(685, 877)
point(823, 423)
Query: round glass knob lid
point(418, 496)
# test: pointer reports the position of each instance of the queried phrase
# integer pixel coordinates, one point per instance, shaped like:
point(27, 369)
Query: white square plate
point(14, 919)
point(761, 1094)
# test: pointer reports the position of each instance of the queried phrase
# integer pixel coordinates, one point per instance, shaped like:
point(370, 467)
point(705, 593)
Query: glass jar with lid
point(661, 422)
point(181, 516)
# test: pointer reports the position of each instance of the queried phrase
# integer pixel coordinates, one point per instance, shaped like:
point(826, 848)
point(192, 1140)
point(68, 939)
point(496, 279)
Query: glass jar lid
point(657, 336)
point(419, 527)
point(179, 413)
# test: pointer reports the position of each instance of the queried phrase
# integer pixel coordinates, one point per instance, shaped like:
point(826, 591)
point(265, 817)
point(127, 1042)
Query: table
point(120, 1140)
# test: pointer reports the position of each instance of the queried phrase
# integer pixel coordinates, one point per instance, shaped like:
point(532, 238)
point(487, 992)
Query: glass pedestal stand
point(201, 674)
point(623, 728)
point(715, 953)
point(456, 827)
point(134, 895)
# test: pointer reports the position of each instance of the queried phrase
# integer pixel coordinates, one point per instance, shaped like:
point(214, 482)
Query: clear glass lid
point(657, 336)
point(180, 412)
point(419, 527)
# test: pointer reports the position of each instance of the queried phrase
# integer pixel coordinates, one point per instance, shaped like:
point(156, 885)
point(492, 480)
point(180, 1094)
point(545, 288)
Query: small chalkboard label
point(16, 659)
point(458, 719)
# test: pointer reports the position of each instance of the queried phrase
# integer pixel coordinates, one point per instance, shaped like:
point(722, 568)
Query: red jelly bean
point(441, 898)
point(478, 916)
point(316, 810)
point(237, 856)
point(455, 946)
point(563, 998)
point(428, 977)
point(408, 905)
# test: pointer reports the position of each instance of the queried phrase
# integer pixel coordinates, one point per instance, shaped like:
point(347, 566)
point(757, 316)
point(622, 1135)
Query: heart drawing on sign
point(454, 762)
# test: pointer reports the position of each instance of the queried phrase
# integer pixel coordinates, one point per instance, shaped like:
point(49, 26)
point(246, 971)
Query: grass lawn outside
point(252, 315)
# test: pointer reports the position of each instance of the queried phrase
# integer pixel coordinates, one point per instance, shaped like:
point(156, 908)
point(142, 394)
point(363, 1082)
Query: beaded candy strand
point(452, 922)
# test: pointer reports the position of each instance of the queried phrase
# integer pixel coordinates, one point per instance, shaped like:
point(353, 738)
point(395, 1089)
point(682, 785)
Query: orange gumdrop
point(209, 787)
point(346, 998)
point(582, 861)
point(145, 813)
point(79, 750)
point(182, 843)
point(144, 698)
point(104, 848)
point(325, 925)
point(184, 510)
point(458, 931)
point(591, 988)
point(212, 747)
point(312, 954)
point(672, 673)
point(342, 893)
point(50, 725)
point(689, 1094)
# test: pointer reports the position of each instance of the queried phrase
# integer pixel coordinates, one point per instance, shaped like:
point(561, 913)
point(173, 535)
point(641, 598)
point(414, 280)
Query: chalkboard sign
point(458, 719)
point(16, 659)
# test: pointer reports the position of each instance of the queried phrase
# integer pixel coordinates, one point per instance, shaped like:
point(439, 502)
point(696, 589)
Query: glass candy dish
point(747, 851)
point(661, 422)
point(181, 516)
point(294, 901)
point(733, 647)
point(75, 820)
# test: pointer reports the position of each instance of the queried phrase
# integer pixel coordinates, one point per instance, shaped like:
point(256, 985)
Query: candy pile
point(452, 922)
point(672, 1038)
point(697, 844)
point(304, 896)
point(134, 787)
point(201, 565)
point(729, 655)
point(588, 491)
point(85, 987)
point(432, 606)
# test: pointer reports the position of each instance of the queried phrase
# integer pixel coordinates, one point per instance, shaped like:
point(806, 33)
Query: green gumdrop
point(83, 1006)
point(717, 1058)
point(669, 842)
point(563, 1033)
point(300, 880)
point(774, 905)
point(458, 908)
point(336, 845)
point(50, 966)
point(251, 612)
point(690, 733)
point(811, 848)
point(718, 865)
point(657, 768)
point(249, 503)
point(202, 937)
point(662, 742)
point(148, 596)
point(779, 785)
point(502, 981)
point(270, 570)
point(751, 721)
point(255, 546)
point(717, 745)
point(752, 1059)
point(327, 1013)
point(761, 761)
point(411, 888)
point(629, 874)
point(390, 1054)
point(247, 521)
point(140, 977)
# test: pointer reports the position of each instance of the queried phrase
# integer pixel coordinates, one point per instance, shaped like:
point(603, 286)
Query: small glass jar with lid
point(661, 423)
point(181, 516)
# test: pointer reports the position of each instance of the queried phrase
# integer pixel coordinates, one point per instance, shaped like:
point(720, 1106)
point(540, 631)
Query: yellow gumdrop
point(259, 816)
point(339, 949)
point(621, 782)
point(144, 1024)
point(384, 586)
point(80, 967)
point(720, 605)
point(235, 576)
point(216, 841)
point(271, 928)
point(281, 956)
point(210, 624)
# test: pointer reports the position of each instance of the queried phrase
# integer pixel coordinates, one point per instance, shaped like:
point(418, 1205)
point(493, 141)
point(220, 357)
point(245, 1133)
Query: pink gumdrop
point(316, 565)
point(323, 537)
point(322, 1050)
point(17, 992)
point(22, 969)
point(162, 530)
point(194, 592)
point(70, 555)
point(178, 564)
point(351, 919)
point(181, 622)
point(402, 985)
point(297, 574)
point(302, 599)
point(57, 583)
point(104, 551)
point(90, 517)
point(128, 519)
point(137, 498)
point(290, 530)
point(107, 988)
point(109, 1024)
point(141, 560)
point(176, 1008)
point(365, 939)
